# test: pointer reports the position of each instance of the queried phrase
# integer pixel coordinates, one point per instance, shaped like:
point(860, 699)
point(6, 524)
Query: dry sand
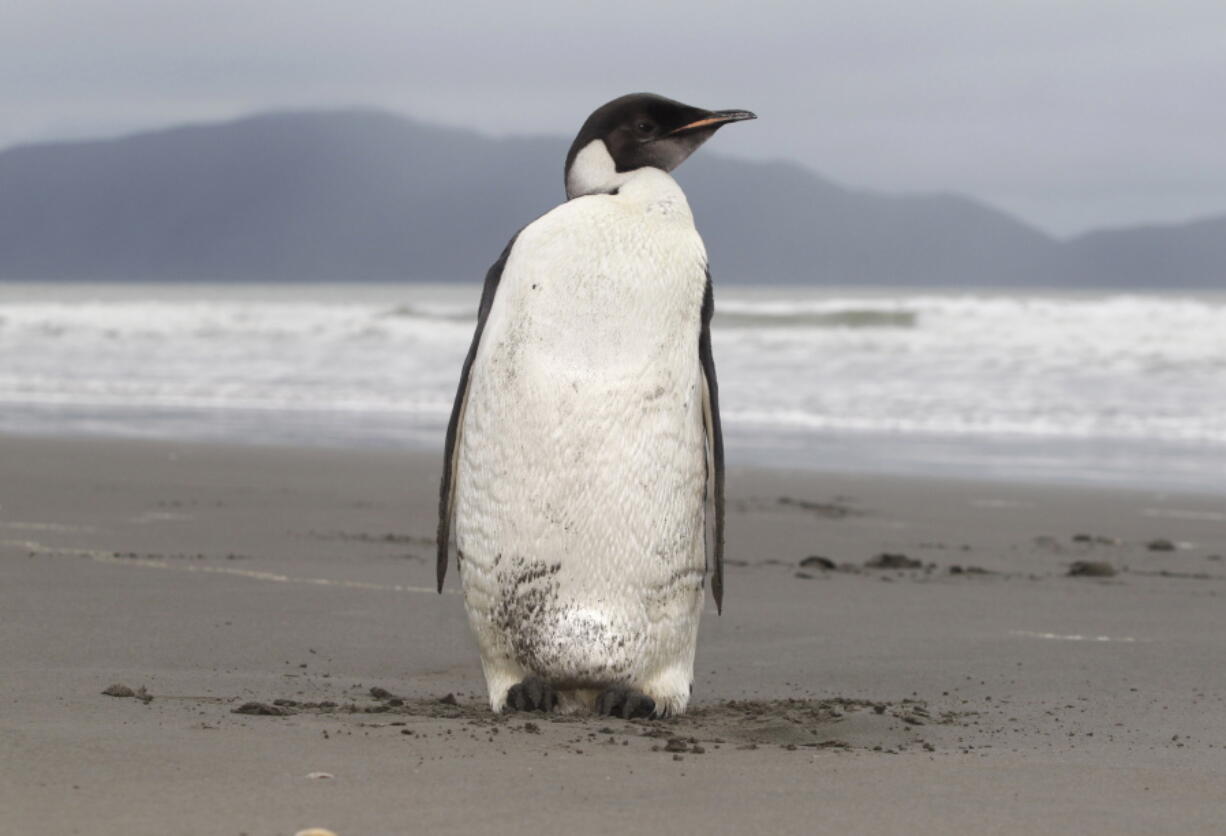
point(984, 690)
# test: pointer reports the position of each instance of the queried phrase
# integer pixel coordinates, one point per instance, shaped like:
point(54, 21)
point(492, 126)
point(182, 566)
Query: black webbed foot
point(626, 703)
point(532, 694)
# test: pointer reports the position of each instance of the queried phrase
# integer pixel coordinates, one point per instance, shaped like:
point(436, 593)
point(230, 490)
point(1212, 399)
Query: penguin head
point(637, 131)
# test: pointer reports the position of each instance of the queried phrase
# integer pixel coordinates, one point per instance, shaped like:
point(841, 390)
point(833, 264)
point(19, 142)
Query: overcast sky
point(1069, 113)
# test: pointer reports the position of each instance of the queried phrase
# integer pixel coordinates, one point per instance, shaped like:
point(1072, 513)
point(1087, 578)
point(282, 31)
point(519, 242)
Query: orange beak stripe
point(701, 123)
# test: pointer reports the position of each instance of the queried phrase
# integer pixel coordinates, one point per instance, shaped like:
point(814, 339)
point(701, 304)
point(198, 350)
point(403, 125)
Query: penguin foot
point(626, 703)
point(532, 694)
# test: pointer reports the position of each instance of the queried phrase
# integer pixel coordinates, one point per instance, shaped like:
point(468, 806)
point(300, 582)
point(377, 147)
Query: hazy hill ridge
point(364, 195)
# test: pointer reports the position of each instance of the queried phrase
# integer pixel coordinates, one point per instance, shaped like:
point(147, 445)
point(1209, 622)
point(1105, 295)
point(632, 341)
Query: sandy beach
point(967, 682)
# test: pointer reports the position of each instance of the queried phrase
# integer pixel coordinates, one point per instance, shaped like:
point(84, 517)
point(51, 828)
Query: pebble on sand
point(1091, 569)
point(315, 831)
point(1096, 538)
point(261, 708)
point(121, 690)
point(958, 569)
point(894, 561)
point(1160, 545)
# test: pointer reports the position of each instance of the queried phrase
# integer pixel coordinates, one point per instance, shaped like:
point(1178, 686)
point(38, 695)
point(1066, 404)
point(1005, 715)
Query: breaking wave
point(907, 364)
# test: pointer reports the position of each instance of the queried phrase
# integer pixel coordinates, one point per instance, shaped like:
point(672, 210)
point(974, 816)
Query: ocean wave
point(726, 316)
point(945, 423)
point(284, 401)
point(790, 359)
point(847, 318)
point(447, 314)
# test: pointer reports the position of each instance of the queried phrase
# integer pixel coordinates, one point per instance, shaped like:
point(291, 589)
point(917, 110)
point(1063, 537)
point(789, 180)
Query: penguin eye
point(645, 127)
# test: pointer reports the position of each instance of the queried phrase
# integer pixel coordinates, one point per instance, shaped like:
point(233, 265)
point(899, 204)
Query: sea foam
point(378, 364)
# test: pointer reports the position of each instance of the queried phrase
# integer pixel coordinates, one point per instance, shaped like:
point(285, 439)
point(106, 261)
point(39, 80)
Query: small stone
point(320, 776)
point(1091, 569)
point(263, 709)
point(449, 699)
point(118, 690)
point(315, 831)
point(894, 561)
point(1160, 545)
point(532, 728)
point(816, 561)
point(678, 757)
point(676, 744)
point(381, 693)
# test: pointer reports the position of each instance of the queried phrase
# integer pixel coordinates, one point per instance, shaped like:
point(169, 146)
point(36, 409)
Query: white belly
point(582, 465)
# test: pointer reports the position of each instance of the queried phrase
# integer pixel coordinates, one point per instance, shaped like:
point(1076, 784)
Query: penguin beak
point(713, 120)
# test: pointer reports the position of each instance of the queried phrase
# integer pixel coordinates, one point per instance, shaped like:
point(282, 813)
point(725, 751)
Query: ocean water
point(1101, 388)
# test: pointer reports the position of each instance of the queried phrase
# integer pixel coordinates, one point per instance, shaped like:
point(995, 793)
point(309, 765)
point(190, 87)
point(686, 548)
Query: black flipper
point(715, 442)
point(451, 445)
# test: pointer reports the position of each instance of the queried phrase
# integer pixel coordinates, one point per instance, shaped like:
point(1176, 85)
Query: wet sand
point(942, 662)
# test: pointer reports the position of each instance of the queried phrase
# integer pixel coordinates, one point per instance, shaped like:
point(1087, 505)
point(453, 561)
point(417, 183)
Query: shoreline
point(1104, 389)
point(880, 456)
point(983, 690)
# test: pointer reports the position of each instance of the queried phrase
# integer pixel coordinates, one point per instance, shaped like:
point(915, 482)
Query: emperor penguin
point(583, 475)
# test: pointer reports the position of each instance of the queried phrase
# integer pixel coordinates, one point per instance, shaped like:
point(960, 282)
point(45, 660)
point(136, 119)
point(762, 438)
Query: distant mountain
point(1181, 255)
point(364, 195)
